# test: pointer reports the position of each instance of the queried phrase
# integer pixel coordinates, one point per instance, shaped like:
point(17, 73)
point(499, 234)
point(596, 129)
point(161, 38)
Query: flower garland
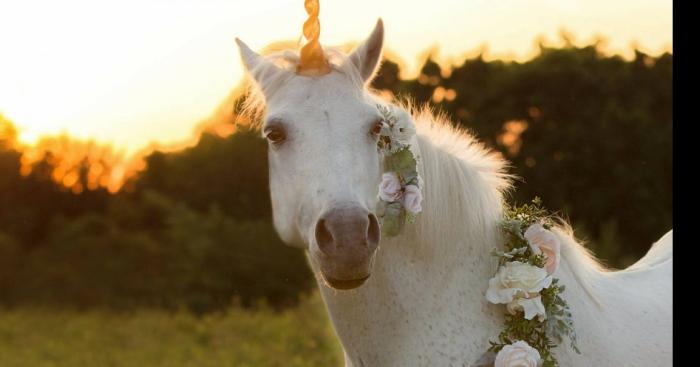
point(400, 191)
point(537, 317)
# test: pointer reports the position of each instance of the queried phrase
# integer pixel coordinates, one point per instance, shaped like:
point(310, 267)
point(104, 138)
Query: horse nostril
point(324, 238)
point(373, 232)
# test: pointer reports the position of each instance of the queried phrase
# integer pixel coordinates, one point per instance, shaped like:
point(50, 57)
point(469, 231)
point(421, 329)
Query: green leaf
point(393, 219)
point(400, 161)
point(409, 176)
point(410, 218)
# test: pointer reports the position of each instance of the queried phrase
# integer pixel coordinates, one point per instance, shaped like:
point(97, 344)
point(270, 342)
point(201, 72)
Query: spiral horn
point(312, 61)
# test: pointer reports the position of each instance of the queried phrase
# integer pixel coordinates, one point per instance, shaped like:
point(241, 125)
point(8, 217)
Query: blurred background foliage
point(590, 134)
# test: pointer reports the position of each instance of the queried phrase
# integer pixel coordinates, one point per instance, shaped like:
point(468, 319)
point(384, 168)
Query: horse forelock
point(288, 62)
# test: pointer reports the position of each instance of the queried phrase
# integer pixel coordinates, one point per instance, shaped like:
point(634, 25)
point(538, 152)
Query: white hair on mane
point(463, 163)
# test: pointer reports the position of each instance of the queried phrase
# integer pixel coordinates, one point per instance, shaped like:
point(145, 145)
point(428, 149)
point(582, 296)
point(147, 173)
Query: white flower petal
point(532, 307)
point(518, 354)
point(496, 294)
point(516, 280)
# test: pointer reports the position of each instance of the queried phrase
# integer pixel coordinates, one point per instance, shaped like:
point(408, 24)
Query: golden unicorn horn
point(312, 61)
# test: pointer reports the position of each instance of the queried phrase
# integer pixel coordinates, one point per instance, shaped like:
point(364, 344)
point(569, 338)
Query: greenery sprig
point(400, 190)
point(542, 334)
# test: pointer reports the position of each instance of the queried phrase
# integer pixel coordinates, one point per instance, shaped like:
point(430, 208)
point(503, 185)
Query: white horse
point(424, 304)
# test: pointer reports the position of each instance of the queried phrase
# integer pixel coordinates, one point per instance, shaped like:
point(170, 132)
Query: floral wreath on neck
point(537, 317)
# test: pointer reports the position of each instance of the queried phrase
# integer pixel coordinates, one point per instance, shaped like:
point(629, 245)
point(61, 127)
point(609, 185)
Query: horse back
point(659, 253)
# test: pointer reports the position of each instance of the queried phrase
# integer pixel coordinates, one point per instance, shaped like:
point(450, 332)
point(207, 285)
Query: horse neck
point(440, 262)
point(462, 205)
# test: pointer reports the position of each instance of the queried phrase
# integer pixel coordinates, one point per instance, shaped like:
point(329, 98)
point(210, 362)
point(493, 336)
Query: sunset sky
point(132, 72)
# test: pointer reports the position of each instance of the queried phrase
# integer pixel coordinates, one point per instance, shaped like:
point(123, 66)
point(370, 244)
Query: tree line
point(588, 133)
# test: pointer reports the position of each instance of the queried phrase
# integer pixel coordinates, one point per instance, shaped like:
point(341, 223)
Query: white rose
point(390, 188)
point(412, 198)
point(516, 280)
point(544, 241)
point(518, 354)
point(403, 130)
point(530, 306)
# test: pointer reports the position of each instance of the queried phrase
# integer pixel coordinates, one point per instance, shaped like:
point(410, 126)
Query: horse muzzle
point(347, 238)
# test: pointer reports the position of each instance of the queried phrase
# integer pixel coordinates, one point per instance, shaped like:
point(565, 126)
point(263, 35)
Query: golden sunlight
point(134, 73)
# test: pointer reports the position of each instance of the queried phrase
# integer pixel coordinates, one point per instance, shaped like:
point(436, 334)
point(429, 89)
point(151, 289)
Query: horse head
point(322, 126)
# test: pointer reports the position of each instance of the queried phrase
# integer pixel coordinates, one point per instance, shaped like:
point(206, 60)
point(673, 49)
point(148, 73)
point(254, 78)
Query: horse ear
point(261, 70)
point(367, 56)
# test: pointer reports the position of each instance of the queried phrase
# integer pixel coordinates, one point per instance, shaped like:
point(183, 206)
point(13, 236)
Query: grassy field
point(237, 337)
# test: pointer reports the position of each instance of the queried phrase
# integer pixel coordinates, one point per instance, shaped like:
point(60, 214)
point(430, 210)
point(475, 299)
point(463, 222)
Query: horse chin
point(344, 284)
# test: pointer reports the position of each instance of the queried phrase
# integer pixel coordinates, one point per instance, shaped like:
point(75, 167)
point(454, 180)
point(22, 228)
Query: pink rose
point(412, 198)
point(390, 188)
point(543, 241)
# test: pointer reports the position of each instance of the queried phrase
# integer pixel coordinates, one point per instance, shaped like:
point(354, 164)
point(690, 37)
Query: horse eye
point(376, 128)
point(275, 135)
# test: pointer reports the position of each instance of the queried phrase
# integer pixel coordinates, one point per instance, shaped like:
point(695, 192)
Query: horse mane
point(461, 144)
point(473, 160)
